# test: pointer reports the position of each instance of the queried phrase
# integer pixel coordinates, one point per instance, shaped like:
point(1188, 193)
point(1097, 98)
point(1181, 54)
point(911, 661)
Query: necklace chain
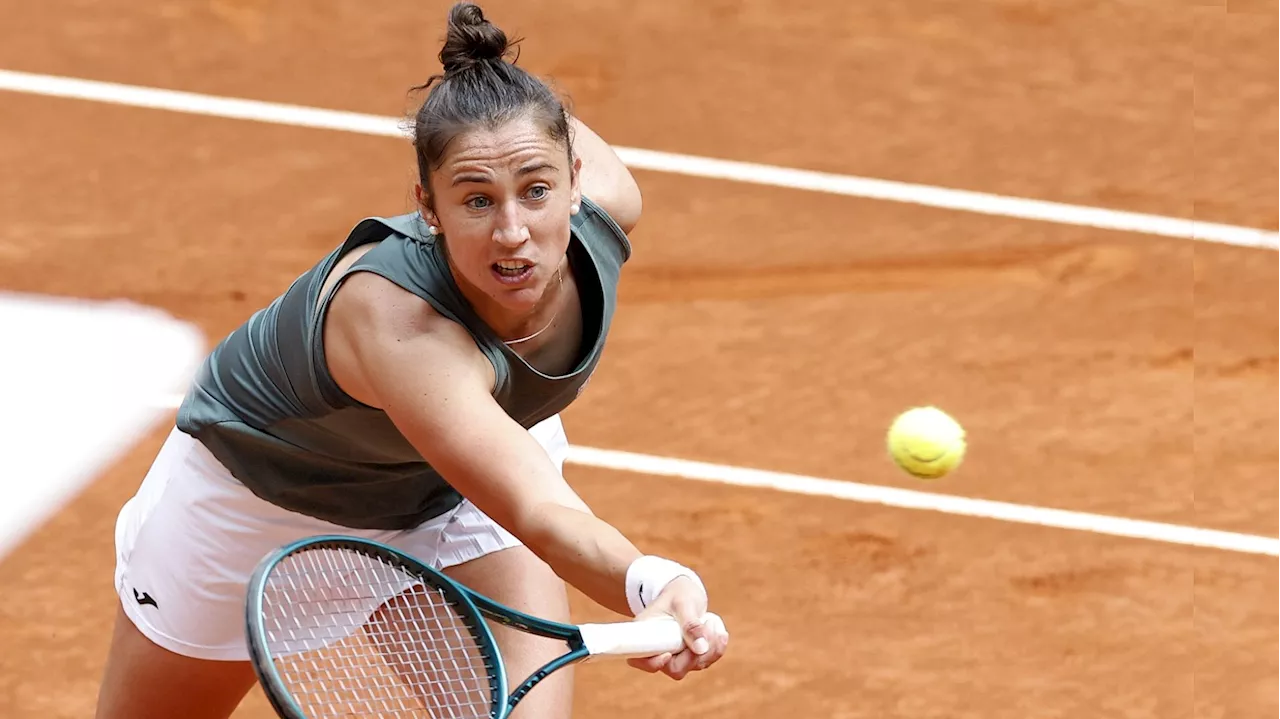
point(559, 288)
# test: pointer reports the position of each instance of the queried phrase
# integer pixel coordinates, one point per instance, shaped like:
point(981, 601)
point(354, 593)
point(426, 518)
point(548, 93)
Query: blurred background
point(1124, 373)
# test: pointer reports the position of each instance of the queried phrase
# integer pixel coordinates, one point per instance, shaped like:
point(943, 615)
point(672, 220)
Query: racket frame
point(477, 605)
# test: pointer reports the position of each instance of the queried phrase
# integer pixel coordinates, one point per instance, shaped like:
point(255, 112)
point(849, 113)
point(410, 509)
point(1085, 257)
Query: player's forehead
point(514, 147)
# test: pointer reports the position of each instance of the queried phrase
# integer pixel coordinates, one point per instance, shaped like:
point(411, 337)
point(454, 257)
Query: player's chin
point(517, 299)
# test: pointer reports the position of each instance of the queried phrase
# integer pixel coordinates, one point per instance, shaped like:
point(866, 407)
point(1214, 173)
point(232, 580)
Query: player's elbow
point(623, 202)
point(535, 530)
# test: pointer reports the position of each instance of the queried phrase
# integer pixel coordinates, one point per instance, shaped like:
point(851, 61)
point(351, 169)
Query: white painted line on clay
point(862, 187)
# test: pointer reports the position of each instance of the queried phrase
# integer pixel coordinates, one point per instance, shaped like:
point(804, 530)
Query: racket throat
point(578, 654)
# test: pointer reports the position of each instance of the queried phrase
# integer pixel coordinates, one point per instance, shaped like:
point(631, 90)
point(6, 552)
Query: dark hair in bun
point(479, 88)
point(471, 39)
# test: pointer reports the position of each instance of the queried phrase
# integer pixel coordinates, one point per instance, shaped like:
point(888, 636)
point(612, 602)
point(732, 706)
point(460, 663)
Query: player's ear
point(423, 198)
point(575, 186)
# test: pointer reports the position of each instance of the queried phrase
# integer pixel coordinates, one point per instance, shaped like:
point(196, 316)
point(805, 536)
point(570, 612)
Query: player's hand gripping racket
point(344, 627)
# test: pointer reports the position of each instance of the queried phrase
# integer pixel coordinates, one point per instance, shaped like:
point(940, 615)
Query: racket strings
point(352, 635)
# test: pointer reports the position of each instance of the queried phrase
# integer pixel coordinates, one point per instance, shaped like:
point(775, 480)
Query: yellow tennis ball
point(926, 442)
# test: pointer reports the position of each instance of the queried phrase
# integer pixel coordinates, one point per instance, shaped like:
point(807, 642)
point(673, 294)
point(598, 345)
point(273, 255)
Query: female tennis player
point(407, 389)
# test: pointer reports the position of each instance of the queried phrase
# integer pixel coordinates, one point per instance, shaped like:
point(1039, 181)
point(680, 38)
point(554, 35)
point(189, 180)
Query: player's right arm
point(389, 349)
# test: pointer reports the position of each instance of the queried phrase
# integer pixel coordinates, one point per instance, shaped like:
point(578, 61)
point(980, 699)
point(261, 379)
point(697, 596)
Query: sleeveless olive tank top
point(265, 405)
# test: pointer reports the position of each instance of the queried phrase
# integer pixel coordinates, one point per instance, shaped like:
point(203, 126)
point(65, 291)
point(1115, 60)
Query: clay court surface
point(1098, 371)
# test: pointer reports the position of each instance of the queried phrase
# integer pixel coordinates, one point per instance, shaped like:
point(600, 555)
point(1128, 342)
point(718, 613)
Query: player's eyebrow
point(470, 177)
point(530, 169)
point(483, 179)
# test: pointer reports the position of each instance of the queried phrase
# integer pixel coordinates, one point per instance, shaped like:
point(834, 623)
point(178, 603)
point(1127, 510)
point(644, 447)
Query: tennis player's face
point(502, 198)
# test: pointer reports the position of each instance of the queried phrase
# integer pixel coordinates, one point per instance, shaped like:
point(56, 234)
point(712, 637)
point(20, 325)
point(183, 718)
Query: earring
point(573, 209)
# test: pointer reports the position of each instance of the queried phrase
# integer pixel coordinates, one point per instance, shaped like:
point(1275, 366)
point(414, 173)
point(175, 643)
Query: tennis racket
point(345, 627)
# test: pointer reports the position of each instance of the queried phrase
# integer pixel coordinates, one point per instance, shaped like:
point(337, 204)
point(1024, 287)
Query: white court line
point(864, 187)
point(906, 498)
point(913, 499)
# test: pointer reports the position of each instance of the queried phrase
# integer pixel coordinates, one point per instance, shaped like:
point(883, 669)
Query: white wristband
point(649, 575)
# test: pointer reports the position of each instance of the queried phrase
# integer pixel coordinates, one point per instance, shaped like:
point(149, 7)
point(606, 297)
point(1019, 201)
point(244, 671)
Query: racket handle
point(645, 638)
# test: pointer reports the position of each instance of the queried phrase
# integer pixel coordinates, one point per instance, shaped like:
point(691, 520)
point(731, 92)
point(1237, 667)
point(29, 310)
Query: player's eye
point(479, 202)
point(538, 192)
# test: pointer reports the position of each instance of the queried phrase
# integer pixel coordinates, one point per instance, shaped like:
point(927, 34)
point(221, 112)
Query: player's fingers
point(651, 664)
point(695, 662)
point(681, 664)
point(692, 621)
point(711, 628)
point(717, 631)
point(687, 661)
point(718, 635)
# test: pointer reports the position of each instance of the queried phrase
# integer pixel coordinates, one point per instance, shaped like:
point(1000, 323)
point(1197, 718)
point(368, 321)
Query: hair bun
point(471, 39)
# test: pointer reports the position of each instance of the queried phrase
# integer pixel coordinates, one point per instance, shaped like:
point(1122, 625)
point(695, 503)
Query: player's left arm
point(604, 178)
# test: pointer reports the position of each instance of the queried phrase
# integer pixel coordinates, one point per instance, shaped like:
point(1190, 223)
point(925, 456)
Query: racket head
point(337, 625)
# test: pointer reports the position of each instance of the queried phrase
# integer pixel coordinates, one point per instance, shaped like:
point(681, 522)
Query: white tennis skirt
point(189, 540)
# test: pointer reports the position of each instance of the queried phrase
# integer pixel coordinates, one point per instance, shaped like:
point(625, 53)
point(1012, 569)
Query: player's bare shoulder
point(375, 332)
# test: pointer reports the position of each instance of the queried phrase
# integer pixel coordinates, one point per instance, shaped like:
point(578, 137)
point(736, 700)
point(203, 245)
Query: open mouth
point(513, 271)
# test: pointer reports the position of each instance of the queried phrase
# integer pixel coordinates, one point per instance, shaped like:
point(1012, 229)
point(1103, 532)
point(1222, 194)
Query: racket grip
point(644, 638)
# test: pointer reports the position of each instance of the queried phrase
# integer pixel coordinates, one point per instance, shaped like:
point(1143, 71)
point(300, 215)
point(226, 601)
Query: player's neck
point(518, 328)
